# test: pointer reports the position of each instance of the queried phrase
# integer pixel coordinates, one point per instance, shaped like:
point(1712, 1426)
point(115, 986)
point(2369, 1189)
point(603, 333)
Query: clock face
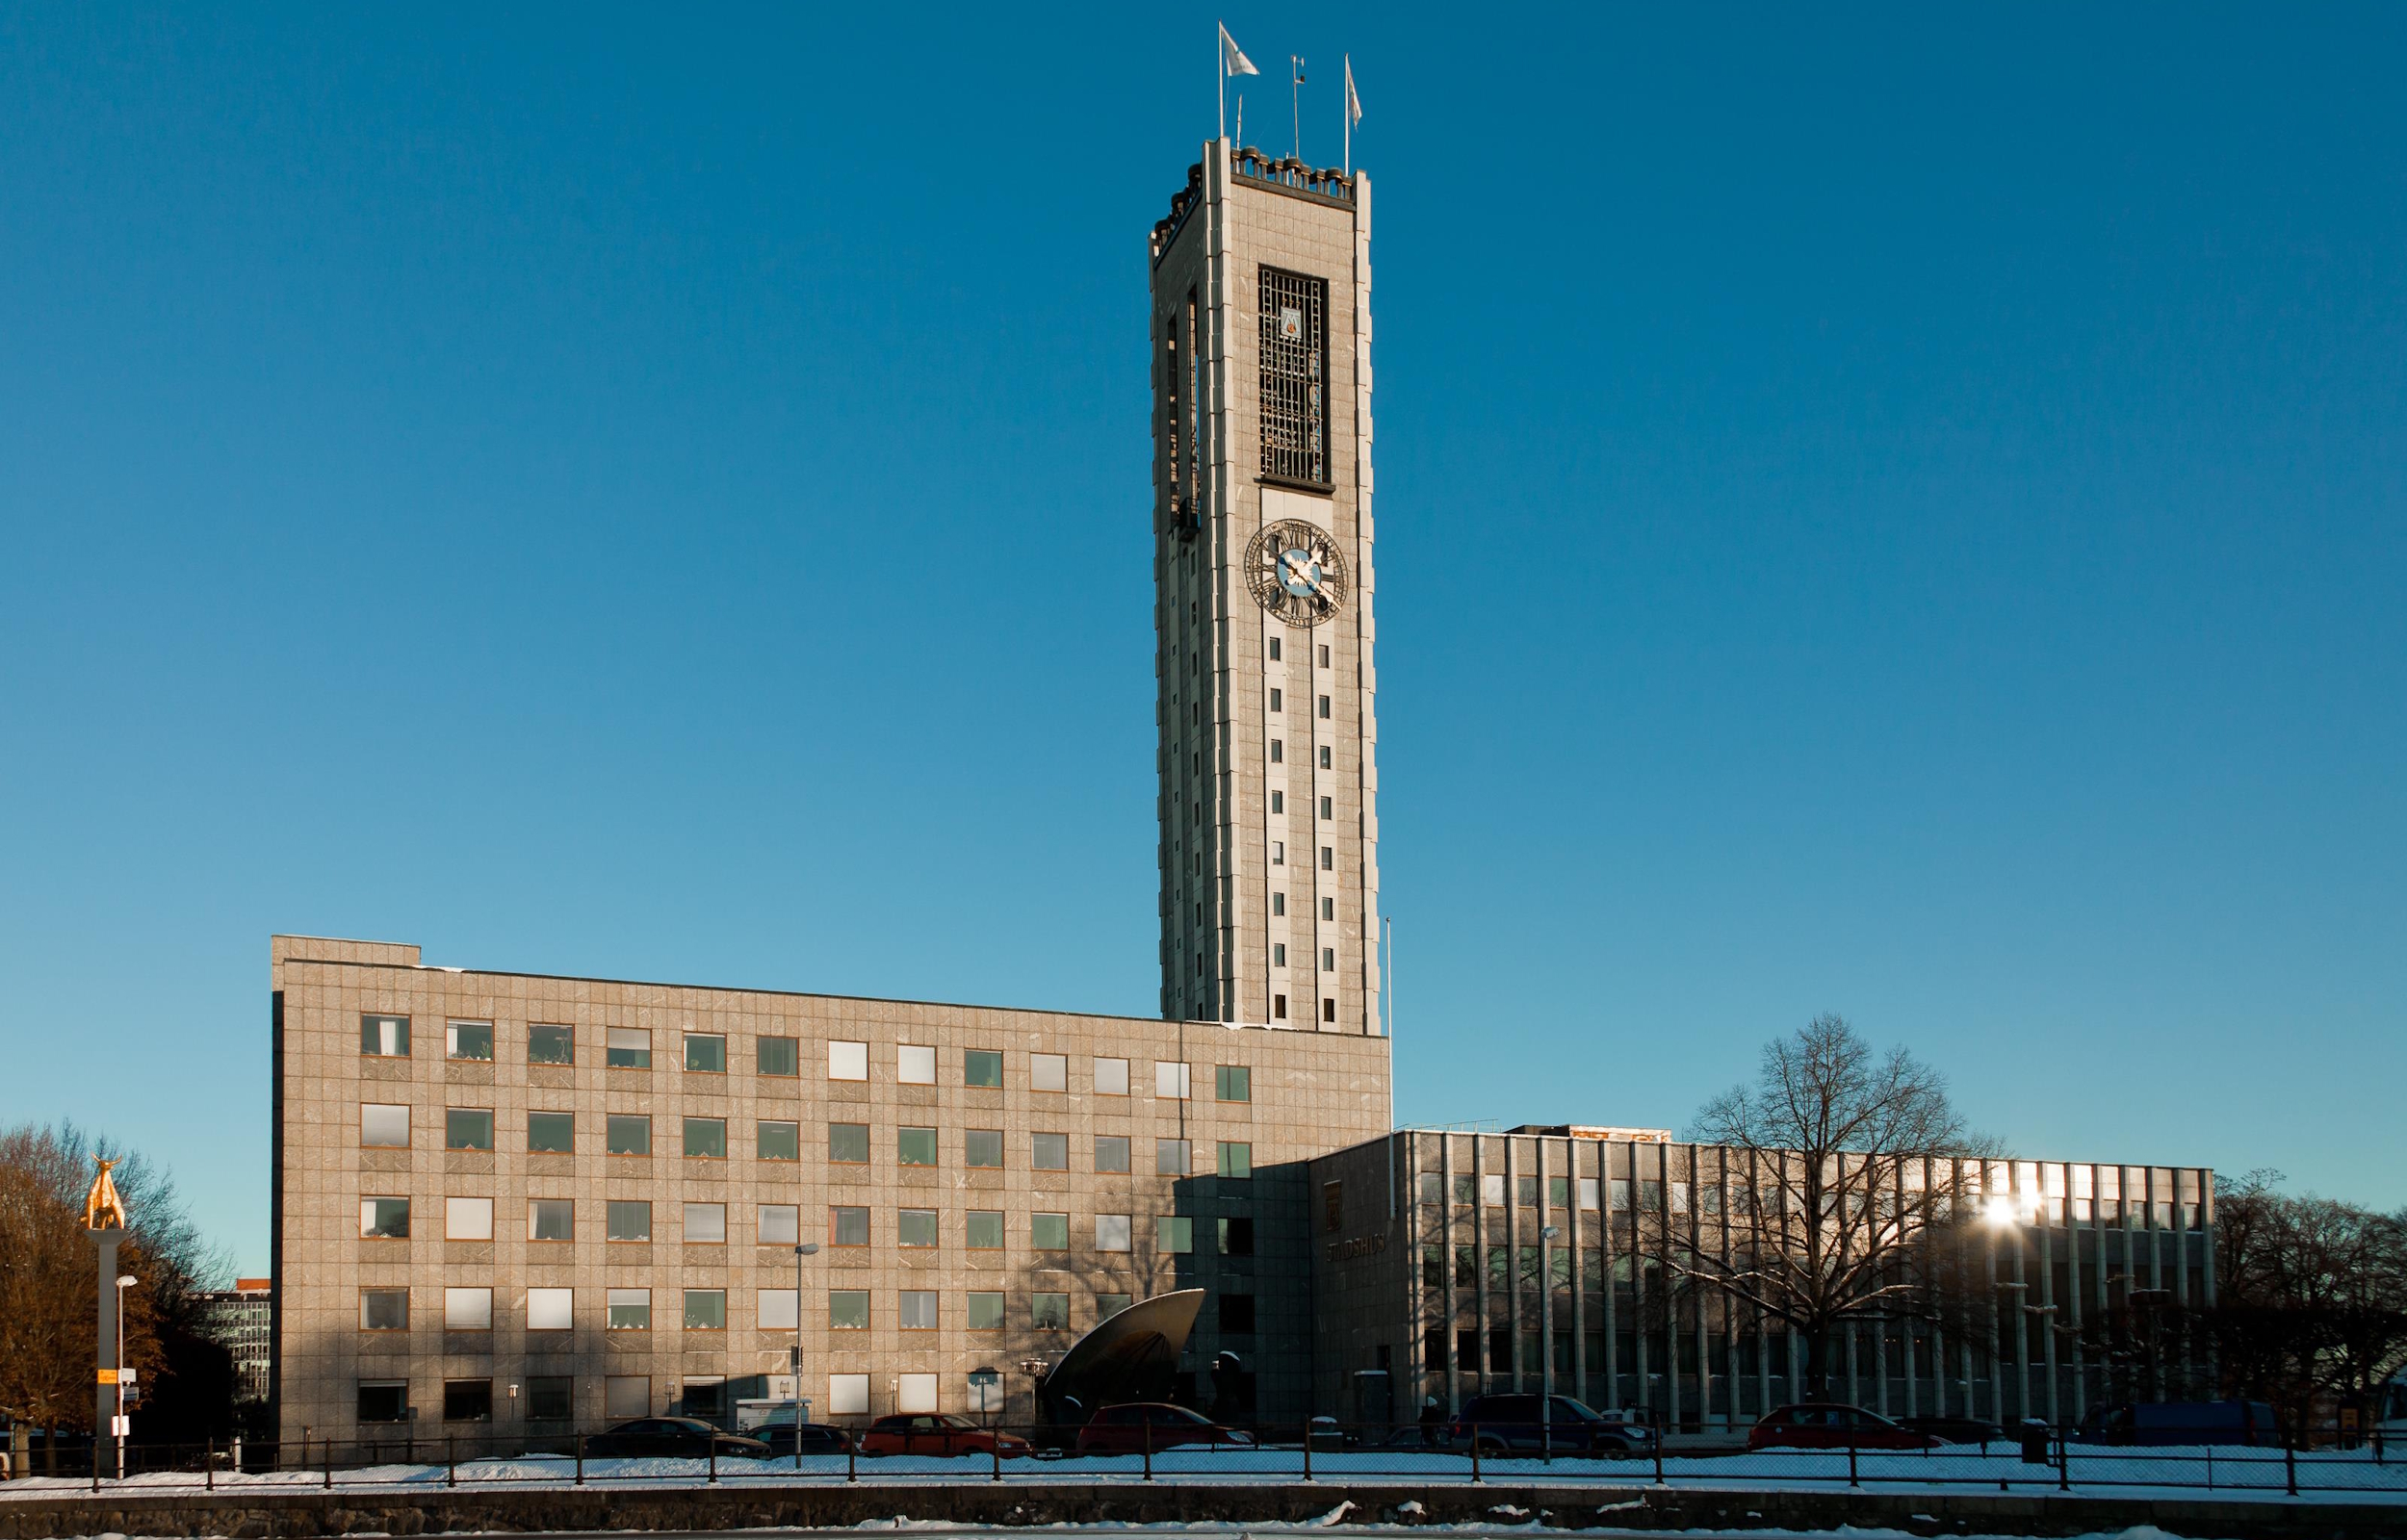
point(1295, 571)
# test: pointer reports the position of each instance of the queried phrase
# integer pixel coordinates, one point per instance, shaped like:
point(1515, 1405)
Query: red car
point(1829, 1426)
point(1139, 1425)
point(938, 1433)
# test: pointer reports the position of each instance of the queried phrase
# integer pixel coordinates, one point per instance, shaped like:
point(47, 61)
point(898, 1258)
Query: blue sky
point(1881, 512)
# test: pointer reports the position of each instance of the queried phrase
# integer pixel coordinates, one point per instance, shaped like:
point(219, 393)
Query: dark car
point(2169, 1422)
point(1955, 1429)
point(689, 1436)
point(1831, 1425)
point(808, 1438)
point(1157, 1426)
point(1555, 1424)
point(938, 1433)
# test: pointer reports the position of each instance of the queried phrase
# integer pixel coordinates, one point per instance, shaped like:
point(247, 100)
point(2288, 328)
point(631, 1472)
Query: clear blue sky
point(1881, 512)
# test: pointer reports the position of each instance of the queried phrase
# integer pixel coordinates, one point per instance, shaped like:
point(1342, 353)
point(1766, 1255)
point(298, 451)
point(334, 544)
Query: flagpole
point(1220, 78)
point(1345, 110)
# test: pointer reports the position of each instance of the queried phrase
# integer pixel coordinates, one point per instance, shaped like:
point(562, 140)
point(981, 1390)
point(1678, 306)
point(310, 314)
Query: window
point(550, 1133)
point(1048, 1152)
point(1328, 909)
point(1048, 1071)
point(1111, 1232)
point(551, 1218)
point(384, 1400)
point(626, 1133)
point(384, 1309)
point(384, 1036)
point(847, 1061)
point(706, 1054)
point(551, 1309)
point(914, 1146)
point(983, 1149)
point(1430, 1187)
point(1621, 1188)
point(986, 1311)
point(1172, 1157)
point(775, 1309)
point(1109, 1305)
point(1329, 859)
point(1278, 698)
point(1491, 1190)
point(1174, 1234)
point(915, 1067)
point(468, 1401)
point(1324, 757)
point(1111, 1077)
point(1323, 709)
point(982, 1067)
point(551, 1044)
point(848, 1227)
point(848, 1143)
point(1232, 1082)
point(382, 1126)
point(1170, 1081)
point(1279, 903)
point(706, 1309)
point(985, 1229)
point(551, 1398)
point(1237, 1237)
point(1279, 1002)
point(706, 1225)
point(1279, 852)
point(468, 1218)
point(777, 1056)
point(467, 1128)
point(706, 1138)
point(1049, 1312)
point(1274, 649)
point(469, 1040)
point(1278, 802)
point(849, 1309)
point(1236, 1313)
point(777, 1141)
point(627, 1048)
point(626, 1395)
point(848, 1394)
point(627, 1220)
point(1527, 1188)
point(1329, 1008)
point(1236, 1161)
point(1588, 1192)
point(628, 1310)
point(467, 1310)
point(1333, 1207)
point(916, 1228)
point(1111, 1152)
point(1049, 1232)
point(1278, 751)
point(1294, 394)
point(1324, 654)
point(1328, 810)
point(916, 1308)
point(384, 1218)
point(780, 1223)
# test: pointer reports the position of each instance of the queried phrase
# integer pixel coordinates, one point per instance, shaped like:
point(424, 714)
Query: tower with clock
point(1263, 628)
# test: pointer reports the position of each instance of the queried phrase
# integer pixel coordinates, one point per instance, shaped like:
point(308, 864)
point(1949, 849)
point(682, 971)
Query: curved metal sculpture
point(1131, 1357)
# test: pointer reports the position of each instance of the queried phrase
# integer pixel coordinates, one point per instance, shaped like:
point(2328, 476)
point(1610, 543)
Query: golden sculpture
point(104, 1210)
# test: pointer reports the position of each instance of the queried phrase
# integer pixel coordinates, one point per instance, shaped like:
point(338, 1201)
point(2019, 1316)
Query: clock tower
point(1267, 750)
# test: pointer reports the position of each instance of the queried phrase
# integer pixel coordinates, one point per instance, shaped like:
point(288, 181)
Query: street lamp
point(1546, 1333)
point(805, 1249)
point(125, 1281)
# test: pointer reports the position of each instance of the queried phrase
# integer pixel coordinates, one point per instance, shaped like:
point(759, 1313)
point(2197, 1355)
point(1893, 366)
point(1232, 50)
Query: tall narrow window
point(1295, 376)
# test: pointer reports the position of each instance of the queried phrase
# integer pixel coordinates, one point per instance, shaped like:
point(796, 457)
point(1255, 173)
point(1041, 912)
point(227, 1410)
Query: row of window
point(1489, 1188)
point(388, 1037)
point(552, 1398)
point(471, 1309)
point(554, 1219)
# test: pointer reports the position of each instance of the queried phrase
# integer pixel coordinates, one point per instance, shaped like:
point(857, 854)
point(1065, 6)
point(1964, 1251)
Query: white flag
point(1233, 59)
point(1354, 103)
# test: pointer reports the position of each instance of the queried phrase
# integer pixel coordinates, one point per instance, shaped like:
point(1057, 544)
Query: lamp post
point(805, 1249)
point(1547, 1335)
point(125, 1281)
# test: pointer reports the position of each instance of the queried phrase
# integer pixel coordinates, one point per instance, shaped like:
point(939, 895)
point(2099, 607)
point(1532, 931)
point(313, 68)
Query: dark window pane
point(982, 1068)
point(550, 1133)
point(550, 1045)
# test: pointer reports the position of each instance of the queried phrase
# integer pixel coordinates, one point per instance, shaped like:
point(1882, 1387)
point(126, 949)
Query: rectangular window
point(1430, 1187)
point(1621, 1189)
point(1293, 402)
point(848, 1227)
point(1588, 1192)
point(986, 1311)
point(1328, 909)
point(1278, 954)
point(626, 1395)
point(1048, 1152)
point(1048, 1071)
point(383, 1126)
point(468, 1218)
point(1329, 1008)
point(626, 1218)
point(1049, 1232)
point(1325, 812)
point(1109, 1305)
point(706, 1309)
point(1172, 1157)
point(917, 1309)
point(551, 1218)
point(706, 1138)
point(1527, 1190)
point(1491, 1190)
point(551, 1044)
point(781, 1224)
point(628, 1310)
point(777, 1141)
point(705, 1053)
point(848, 1394)
point(550, 1133)
point(1278, 751)
point(1278, 802)
point(1111, 1232)
point(1559, 1192)
point(551, 1309)
point(551, 1398)
point(384, 1400)
point(467, 1310)
point(848, 1143)
point(1329, 959)
point(1329, 859)
point(1049, 1312)
point(847, 1061)
point(626, 1133)
point(916, 1228)
point(1111, 1152)
point(384, 1309)
point(777, 1056)
point(1232, 1082)
point(627, 1048)
point(1170, 1081)
point(914, 1146)
point(469, 1040)
point(775, 1309)
point(1279, 852)
point(384, 1218)
point(467, 1128)
point(1279, 1002)
point(1236, 1161)
point(384, 1036)
point(1111, 1077)
point(1174, 1234)
point(982, 1148)
point(706, 1225)
point(468, 1401)
point(914, 1065)
point(1237, 1237)
point(849, 1309)
point(982, 1067)
point(1333, 1207)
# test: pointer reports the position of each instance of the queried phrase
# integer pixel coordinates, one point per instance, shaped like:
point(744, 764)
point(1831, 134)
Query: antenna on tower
point(1295, 102)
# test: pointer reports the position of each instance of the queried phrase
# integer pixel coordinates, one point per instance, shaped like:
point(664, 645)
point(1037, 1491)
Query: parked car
point(938, 1433)
point(1829, 1426)
point(811, 1438)
point(1134, 1427)
point(1955, 1429)
point(1551, 1423)
point(688, 1436)
point(2180, 1422)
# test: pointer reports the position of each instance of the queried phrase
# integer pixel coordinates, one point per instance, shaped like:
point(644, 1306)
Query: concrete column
point(1607, 1241)
point(1446, 1227)
point(1479, 1250)
point(1575, 1235)
point(1513, 1259)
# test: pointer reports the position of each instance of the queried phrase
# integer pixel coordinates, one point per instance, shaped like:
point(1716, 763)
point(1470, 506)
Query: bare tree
point(1847, 1156)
